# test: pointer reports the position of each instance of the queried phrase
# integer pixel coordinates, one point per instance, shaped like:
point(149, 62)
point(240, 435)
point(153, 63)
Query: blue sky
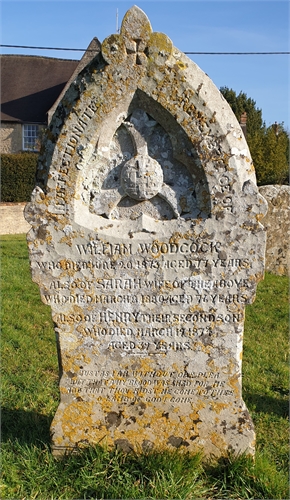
point(193, 25)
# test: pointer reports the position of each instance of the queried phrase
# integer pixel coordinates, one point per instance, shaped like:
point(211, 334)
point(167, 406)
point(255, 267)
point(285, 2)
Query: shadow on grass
point(267, 404)
point(27, 427)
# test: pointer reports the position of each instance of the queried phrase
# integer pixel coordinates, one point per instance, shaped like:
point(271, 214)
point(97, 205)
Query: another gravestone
point(146, 243)
point(277, 225)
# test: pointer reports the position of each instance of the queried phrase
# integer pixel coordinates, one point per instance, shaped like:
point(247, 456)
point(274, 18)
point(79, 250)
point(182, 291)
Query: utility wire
point(238, 53)
point(195, 53)
point(43, 48)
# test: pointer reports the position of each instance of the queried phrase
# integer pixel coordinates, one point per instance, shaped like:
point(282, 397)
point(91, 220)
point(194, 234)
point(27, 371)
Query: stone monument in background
point(146, 243)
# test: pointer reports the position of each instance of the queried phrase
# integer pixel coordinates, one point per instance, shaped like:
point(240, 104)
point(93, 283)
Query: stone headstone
point(146, 243)
point(277, 225)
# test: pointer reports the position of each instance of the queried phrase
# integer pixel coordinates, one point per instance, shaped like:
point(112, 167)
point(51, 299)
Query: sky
point(192, 25)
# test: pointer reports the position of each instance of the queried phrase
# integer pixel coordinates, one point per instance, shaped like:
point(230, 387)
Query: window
point(30, 137)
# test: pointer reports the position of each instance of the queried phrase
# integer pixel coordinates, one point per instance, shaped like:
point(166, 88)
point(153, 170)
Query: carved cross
point(137, 47)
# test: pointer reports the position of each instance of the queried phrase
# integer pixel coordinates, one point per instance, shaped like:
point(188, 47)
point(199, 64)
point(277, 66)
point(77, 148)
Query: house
point(31, 88)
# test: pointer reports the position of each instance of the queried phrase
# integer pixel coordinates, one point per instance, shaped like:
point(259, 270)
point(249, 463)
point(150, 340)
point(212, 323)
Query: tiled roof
point(30, 85)
point(91, 52)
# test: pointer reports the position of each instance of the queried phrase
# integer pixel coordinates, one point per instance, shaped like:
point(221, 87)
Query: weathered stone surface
point(146, 242)
point(277, 225)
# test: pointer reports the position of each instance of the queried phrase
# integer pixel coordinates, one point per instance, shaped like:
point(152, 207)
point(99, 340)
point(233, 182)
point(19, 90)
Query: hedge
point(18, 176)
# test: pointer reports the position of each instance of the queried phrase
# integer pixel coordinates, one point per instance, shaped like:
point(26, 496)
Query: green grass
point(30, 397)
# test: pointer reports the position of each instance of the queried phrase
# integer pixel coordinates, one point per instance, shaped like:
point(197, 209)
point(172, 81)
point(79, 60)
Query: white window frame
point(30, 137)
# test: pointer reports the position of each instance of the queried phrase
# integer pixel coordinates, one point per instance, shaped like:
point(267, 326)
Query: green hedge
point(18, 176)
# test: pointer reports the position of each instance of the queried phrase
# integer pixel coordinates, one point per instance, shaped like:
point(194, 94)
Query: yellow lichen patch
point(218, 441)
point(101, 435)
point(195, 308)
point(196, 407)
point(218, 406)
point(72, 362)
point(63, 390)
point(58, 441)
point(181, 65)
point(159, 42)
point(177, 367)
point(68, 240)
point(136, 24)
point(76, 420)
point(260, 216)
point(146, 364)
point(118, 396)
point(116, 376)
point(65, 265)
point(166, 397)
point(235, 385)
point(105, 404)
point(175, 238)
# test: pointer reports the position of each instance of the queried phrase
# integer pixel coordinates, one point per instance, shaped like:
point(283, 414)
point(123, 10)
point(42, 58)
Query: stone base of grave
point(221, 430)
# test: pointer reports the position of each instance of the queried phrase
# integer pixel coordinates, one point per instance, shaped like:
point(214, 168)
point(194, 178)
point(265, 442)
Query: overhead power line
point(42, 48)
point(191, 53)
point(238, 53)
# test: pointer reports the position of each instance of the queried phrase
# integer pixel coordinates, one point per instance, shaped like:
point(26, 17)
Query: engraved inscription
point(150, 386)
point(155, 249)
point(70, 148)
point(145, 264)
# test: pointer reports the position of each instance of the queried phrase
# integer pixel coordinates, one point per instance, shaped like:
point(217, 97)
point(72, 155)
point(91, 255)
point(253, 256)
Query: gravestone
point(277, 225)
point(146, 243)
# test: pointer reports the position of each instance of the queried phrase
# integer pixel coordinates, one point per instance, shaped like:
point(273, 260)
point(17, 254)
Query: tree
point(269, 147)
point(241, 103)
point(276, 156)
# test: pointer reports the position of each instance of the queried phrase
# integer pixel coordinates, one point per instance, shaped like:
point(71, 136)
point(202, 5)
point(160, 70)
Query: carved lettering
point(172, 385)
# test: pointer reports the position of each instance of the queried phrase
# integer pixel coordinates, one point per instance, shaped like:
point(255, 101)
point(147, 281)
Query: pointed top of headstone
point(136, 43)
point(135, 23)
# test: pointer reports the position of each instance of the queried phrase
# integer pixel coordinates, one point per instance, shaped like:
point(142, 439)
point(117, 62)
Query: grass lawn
point(30, 398)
